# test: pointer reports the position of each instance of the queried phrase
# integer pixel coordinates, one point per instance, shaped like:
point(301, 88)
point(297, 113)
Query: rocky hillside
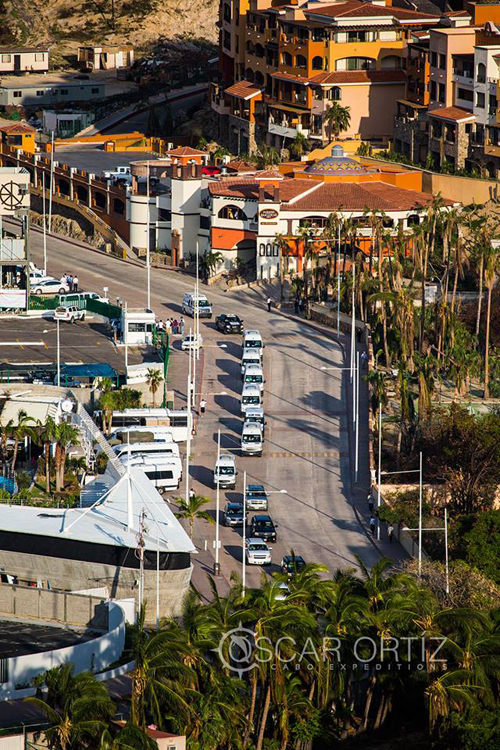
point(66, 24)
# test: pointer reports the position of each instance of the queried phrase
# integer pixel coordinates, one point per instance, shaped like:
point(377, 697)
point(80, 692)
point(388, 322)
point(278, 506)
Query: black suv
point(292, 564)
point(229, 323)
point(263, 527)
point(233, 514)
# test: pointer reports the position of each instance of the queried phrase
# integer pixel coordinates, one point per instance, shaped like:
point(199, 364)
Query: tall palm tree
point(267, 156)
point(128, 737)
point(300, 145)
point(337, 119)
point(153, 379)
point(24, 428)
point(46, 436)
point(491, 270)
point(210, 262)
point(65, 435)
point(78, 707)
point(192, 509)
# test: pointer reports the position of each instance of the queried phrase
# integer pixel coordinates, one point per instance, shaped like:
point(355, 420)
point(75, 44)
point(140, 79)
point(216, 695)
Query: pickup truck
point(117, 172)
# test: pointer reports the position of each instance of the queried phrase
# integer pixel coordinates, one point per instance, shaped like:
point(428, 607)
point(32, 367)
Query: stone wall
point(71, 610)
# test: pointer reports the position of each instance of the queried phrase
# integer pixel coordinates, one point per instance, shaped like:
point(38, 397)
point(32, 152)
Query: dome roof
point(337, 164)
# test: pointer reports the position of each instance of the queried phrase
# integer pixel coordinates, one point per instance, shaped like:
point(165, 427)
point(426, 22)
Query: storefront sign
point(268, 213)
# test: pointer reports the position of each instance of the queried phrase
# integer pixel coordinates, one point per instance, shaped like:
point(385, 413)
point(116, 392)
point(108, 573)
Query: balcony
point(286, 131)
point(491, 149)
point(463, 77)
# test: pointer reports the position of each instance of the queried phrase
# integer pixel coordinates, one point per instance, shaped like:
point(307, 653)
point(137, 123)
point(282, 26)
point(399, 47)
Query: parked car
point(292, 564)
point(233, 514)
point(69, 314)
point(256, 497)
point(229, 323)
point(192, 341)
point(263, 527)
point(49, 286)
point(257, 552)
point(210, 169)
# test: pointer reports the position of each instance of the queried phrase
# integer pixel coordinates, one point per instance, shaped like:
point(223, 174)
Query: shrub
point(23, 480)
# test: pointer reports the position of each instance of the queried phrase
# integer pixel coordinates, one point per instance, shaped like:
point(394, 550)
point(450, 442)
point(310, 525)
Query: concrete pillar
point(72, 171)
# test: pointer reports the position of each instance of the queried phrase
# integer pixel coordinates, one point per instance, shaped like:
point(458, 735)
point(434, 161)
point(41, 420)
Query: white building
point(24, 60)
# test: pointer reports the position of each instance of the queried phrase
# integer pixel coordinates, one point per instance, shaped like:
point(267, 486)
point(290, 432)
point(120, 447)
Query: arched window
point(259, 78)
point(355, 63)
point(269, 249)
point(99, 200)
point(300, 61)
point(391, 62)
point(82, 194)
point(232, 212)
point(317, 63)
point(249, 75)
point(481, 73)
point(227, 13)
point(262, 249)
point(314, 222)
point(259, 50)
point(388, 223)
point(286, 59)
point(250, 48)
point(413, 220)
point(334, 94)
point(63, 187)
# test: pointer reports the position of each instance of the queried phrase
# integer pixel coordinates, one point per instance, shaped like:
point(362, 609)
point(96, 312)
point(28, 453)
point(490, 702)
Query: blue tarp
point(97, 370)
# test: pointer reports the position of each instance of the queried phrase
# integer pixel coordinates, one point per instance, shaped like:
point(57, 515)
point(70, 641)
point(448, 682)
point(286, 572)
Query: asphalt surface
point(307, 451)
point(93, 159)
point(19, 639)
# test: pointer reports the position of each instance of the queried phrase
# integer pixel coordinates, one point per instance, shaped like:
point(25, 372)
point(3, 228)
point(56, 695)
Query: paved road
point(94, 159)
point(306, 449)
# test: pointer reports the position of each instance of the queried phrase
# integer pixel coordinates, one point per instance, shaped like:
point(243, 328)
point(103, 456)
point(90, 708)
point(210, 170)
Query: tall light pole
point(51, 181)
point(188, 444)
point(158, 579)
point(44, 225)
point(379, 462)
point(244, 535)
point(356, 460)
point(338, 285)
point(58, 356)
point(353, 324)
point(148, 241)
point(125, 339)
point(420, 493)
point(217, 503)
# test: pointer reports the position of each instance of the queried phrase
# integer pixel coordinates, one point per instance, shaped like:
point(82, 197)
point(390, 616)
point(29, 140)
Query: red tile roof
point(353, 196)
point(18, 127)
point(358, 9)
point(249, 188)
point(268, 174)
point(243, 90)
point(457, 114)
point(360, 76)
point(241, 166)
point(186, 151)
point(455, 13)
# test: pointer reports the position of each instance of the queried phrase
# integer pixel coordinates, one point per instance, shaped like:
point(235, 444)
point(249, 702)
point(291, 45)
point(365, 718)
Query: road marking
point(282, 454)
point(22, 344)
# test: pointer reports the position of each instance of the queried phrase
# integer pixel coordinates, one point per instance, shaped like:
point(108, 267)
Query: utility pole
point(356, 462)
point(148, 241)
point(217, 505)
point(244, 535)
point(188, 444)
point(141, 543)
point(44, 225)
point(51, 181)
point(338, 285)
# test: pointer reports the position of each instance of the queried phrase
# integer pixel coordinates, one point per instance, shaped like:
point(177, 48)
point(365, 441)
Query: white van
point(256, 414)
point(147, 449)
point(253, 374)
point(163, 471)
point(177, 421)
point(252, 340)
point(225, 471)
point(80, 298)
point(251, 439)
point(250, 396)
point(250, 357)
point(192, 301)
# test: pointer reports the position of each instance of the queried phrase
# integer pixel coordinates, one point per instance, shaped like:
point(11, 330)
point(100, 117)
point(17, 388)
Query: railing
point(93, 435)
point(113, 312)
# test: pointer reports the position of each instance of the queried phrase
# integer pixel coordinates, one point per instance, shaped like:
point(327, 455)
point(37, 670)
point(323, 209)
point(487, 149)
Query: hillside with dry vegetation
point(66, 24)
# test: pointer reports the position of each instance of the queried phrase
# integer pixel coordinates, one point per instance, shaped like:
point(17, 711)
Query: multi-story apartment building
point(281, 67)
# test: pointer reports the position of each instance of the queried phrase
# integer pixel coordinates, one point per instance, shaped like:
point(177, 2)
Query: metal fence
point(112, 312)
point(37, 302)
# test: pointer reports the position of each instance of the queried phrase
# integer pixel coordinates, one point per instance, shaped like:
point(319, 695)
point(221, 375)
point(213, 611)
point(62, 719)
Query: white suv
point(257, 552)
point(69, 314)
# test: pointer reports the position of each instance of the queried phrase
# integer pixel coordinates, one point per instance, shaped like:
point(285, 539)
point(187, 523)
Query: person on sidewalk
point(370, 502)
point(296, 306)
point(182, 325)
point(203, 406)
point(192, 494)
point(75, 283)
point(70, 282)
point(269, 303)
point(390, 532)
point(373, 523)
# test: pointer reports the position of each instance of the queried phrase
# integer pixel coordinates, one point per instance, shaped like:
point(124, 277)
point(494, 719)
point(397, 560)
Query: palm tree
point(210, 261)
point(449, 692)
point(129, 737)
point(490, 273)
point(78, 707)
point(192, 509)
point(338, 119)
point(267, 156)
point(64, 435)
point(300, 145)
point(153, 380)
point(46, 436)
point(20, 431)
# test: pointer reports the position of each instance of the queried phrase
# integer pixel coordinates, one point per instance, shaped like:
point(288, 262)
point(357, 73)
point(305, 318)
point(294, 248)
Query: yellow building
point(19, 135)
point(296, 60)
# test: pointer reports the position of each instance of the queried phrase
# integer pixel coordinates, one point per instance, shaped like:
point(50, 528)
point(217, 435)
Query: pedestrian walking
point(269, 303)
point(370, 502)
point(390, 532)
point(182, 325)
point(168, 326)
point(192, 494)
point(75, 283)
point(175, 327)
point(364, 358)
point(70, 282)
point(372, 524)
point(296, 306)
point(301, 305)
point(203, 406)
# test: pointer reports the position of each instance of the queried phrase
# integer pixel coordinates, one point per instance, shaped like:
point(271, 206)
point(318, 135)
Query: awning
point(227, 239)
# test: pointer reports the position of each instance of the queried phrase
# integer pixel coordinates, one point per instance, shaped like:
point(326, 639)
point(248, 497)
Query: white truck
point(121, 175)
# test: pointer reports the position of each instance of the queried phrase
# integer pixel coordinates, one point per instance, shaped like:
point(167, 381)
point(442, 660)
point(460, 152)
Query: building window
point(355, 63)
point(468, 128)
point(226, 40)
point(493, 104)
point(65, 92)
point(442, 62)
point(413, 220)
point(259, 50)
point(259, 78)
point(317, 63)
point(17, 94)
point(269, 250)
point(391, 62)
point(334, 94)
point(40, 92)
point(434, 59)
point(262, 249)
point(480, 99)
point(437, 130)
point(232, 212)
point(481, 73)
point(275, 250)
point(6, 58)
point(300, 61)
point(95, 90)
point(442, 92)
point(287, 59)
point(433, 90)
point(39, 57)
point(466, 95)
point(227, 13)
point(357, 36)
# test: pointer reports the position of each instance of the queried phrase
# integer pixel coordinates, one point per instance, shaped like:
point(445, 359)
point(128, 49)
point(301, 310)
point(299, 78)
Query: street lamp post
point(217, 502)
point(189, 415)
point(243, 558)
point(58, 356)
point(420, 493)
point(148, 241)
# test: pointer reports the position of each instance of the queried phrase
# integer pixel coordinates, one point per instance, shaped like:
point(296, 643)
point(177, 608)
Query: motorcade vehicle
point(263, 527)
point(250, 396)
point(192, 303)
point(257, 552)
point(233, 514)
point(147, 449)
point(256, 414)
point(250, 357)
point(255, 375)
point(251, 439)
point(292, 564)
point(256, 497)
point(225, 471)
point(252, 340)
point(69, 314)
point(227, 323)
point(192, 341)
